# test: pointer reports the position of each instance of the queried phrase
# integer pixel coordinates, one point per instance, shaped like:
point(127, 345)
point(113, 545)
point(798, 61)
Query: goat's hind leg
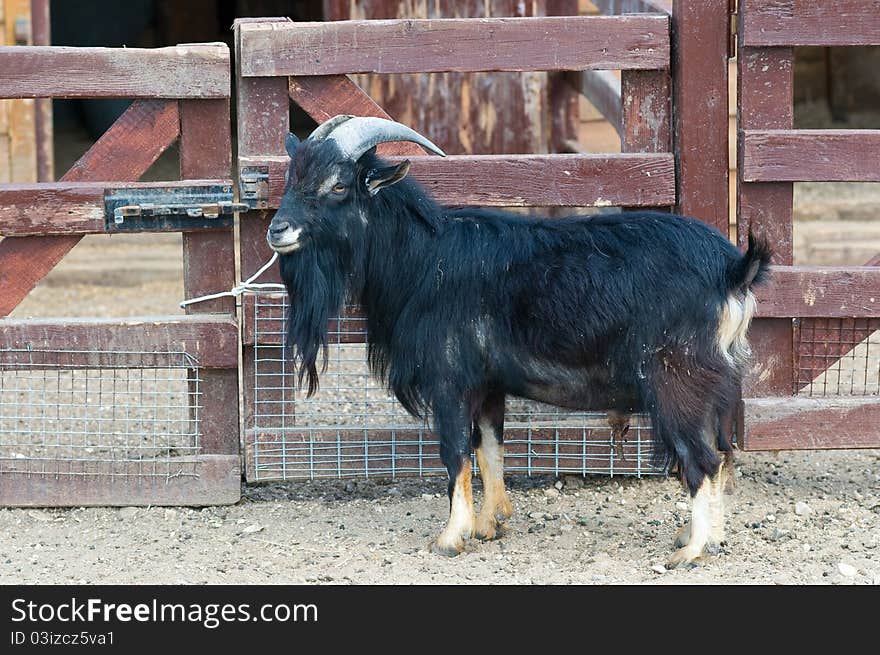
point(488, 438)
point(453, 428)
point(704, 533)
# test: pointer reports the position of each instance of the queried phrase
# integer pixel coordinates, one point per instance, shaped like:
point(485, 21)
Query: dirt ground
point(794, 518)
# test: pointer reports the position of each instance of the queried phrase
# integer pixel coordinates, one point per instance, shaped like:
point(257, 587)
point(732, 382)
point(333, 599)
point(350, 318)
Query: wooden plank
point(810, 423)
point(182, 71)
point(764, 96)
point(765, 87)
point(212, 340)
point(218, 483)
point(123, 153)
point(646, 111)
point(49, 208)
point(811, 155)
point(5, 173)
point(463, 45)
point(638, 180)
point(205, 151)
point(350, 452)
point(324, 96)
point(209, 263)
point(809, 291)
point(700, 34)
point(40, 28)
point(808, 22)
point(602, 89)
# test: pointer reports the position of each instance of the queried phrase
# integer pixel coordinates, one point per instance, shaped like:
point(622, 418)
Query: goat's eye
point(339, 188)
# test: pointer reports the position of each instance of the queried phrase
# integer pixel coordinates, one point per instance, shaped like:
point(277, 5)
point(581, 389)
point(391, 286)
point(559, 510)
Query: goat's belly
point(592, 388)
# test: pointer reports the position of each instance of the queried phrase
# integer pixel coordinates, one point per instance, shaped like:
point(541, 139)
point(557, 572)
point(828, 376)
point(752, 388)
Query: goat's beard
point(318, 281)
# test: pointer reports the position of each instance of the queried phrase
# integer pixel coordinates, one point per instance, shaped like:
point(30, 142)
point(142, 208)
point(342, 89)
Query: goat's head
point(320, 226)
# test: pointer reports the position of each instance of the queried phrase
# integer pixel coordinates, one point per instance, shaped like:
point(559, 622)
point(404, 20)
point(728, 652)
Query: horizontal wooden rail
point(273, 49)
point(67, 207)
point(218, 482)
point(809, 423)
point(811, 156)
point(808, 291)
point(212, 340)
point(637, 180)
point(602, 89)
point(185, 71)
point(810, 22)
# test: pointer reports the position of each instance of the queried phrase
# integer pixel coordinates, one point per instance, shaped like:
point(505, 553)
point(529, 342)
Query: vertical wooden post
point(40, 29)
point(700, 31)
point(209, 263)
point(765, 92)
point(263, 120)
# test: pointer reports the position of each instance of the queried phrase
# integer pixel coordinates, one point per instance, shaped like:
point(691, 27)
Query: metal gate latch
point(170, 209)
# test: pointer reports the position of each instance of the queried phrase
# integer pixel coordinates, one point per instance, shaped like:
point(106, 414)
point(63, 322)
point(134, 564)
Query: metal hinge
point(174, 208)
point(254, 186)
point(732, 27)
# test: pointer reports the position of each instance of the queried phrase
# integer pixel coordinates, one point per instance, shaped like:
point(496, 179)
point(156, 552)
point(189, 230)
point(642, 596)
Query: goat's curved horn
point(355, 136)
point(320, 133)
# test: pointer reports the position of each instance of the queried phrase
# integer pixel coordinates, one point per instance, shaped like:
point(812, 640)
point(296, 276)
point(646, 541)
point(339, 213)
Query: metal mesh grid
point(838, 357)
point(354, 428)
point(89, 413)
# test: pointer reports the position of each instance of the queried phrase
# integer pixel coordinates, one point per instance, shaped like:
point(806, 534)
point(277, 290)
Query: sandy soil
point(810, 517)
point(597, 530)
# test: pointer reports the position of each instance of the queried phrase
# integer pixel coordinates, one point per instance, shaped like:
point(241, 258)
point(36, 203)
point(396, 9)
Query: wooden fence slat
point(809, 291)
point(809, 423)
point(183, 71)
point(700, 35)
point(810, 22)
point(123, 153)
point(218, 483)
point(462, 45)
point(811, 155)
point(636, 179)
point(212, 340)
point(765, 88)
point(66, 207)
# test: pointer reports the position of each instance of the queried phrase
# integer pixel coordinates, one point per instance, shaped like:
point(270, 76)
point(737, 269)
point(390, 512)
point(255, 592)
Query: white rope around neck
point(247, 285)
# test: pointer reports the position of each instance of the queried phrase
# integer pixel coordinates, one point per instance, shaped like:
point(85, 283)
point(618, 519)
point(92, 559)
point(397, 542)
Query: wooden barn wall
point(461, 112)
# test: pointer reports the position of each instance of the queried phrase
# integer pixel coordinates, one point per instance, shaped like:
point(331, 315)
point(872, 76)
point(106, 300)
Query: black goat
point(640, 311)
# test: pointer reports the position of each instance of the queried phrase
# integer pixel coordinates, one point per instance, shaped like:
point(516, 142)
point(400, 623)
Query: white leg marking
point(496, 504)
point(706, 518)
point(461, 516)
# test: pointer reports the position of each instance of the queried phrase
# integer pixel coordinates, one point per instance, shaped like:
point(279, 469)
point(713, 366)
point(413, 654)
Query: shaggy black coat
point(617, 311)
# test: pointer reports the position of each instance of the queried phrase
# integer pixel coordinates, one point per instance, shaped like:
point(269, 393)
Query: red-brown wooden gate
point(814, 382)
point(136, 411)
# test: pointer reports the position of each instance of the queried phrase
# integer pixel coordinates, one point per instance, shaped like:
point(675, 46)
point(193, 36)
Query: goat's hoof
point(683, 536)
point(504, 509)
point(684, 558)
point(447, 550)
point(486, 528)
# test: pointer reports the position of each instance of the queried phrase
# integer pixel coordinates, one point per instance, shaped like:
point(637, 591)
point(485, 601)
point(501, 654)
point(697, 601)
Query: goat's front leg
point(453, 428)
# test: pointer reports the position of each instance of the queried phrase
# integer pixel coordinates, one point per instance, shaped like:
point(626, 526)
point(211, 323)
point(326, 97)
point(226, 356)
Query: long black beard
point(319, 279)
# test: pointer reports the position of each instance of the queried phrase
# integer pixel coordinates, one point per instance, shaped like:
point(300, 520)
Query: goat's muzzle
point(283, 239)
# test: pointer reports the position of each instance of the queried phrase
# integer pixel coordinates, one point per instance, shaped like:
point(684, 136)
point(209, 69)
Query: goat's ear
point(290, 143)
point(380, 178)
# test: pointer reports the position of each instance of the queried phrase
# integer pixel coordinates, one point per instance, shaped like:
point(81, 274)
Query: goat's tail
point(752, 268)
point(740, 304)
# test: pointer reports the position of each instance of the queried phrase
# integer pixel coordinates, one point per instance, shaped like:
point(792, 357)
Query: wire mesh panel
point(838, 357)
point(353, 427)
point(88, 413)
